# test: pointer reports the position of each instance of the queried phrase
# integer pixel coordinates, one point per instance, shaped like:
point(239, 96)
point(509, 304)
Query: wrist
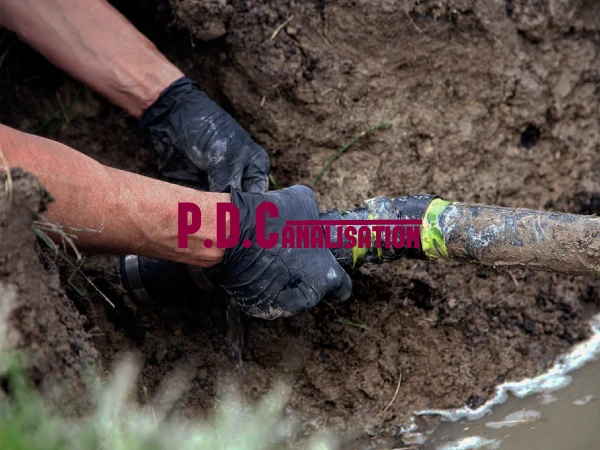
point(180, 91)
point(202, 249)
point(147, 216)
point(145, 89)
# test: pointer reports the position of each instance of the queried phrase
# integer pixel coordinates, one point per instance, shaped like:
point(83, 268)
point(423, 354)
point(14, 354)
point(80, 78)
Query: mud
point(36, 317)
point(493, 102)
point(564, 417)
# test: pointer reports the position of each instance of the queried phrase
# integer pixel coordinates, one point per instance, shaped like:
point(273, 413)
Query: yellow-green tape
point(359, 253)
point(432, 240)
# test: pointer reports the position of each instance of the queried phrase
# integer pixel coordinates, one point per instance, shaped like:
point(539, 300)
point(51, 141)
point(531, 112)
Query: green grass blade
point(4, 54)
point(273, 182)
point(346, 146)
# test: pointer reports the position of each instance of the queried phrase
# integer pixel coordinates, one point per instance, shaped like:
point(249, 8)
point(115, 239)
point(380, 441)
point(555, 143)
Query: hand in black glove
point(200, 144)
point(275, 282)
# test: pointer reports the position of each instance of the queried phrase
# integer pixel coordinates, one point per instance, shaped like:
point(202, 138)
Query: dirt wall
point(489, 101)
point(36, 317)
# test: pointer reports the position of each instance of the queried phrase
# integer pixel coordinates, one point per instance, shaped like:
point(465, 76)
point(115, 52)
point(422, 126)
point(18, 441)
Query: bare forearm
point(94, 43)
point(125, 212)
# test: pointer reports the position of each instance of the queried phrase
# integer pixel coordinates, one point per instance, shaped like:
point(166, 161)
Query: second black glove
point(276, 282)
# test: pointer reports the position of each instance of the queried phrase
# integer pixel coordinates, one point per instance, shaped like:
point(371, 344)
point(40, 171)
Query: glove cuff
point(245, 206)
point(167, 100)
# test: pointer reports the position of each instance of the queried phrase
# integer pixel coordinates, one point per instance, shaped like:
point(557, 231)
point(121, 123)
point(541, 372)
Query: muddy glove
point(199, 144)
point(276, 282)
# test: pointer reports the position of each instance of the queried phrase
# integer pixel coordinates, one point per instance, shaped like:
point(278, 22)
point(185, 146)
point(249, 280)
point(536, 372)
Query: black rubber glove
point(199, 144)
point(276, 282)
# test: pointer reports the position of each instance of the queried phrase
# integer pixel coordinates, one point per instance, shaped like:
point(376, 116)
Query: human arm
point(93, 42)
point(197, 141)
point(124, 212)
point(112, 211)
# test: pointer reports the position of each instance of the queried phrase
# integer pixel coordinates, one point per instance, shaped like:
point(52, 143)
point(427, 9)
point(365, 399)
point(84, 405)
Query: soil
point(36, 317)
point(491, 102)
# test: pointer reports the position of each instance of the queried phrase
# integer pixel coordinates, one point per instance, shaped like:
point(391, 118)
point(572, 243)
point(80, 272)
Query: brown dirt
point(494, 102)
point(36, 317)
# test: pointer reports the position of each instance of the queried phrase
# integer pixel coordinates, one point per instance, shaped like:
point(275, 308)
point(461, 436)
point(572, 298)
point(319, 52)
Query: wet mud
point(560, 412)
point(489, 102)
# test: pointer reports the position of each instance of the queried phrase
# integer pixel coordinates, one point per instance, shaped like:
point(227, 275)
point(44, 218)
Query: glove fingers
point(255, 177)
point(256, 174)
point(256, 184)
point(343, 289)
point(220, 178)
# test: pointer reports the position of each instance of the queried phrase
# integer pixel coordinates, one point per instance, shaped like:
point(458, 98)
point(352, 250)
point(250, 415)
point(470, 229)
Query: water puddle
point(556, 410)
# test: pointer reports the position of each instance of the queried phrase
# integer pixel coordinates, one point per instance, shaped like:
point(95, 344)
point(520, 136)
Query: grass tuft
point(116, 422)
point(8, 183)
point(43, 226)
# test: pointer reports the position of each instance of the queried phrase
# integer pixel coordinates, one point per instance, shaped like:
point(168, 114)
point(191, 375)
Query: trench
point(485, 106)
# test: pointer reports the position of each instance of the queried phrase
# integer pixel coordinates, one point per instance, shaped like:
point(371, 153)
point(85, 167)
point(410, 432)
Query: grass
point(8, 190)
point(343, 321)
point(4, 54)
point(61, 115)
point(339, 153)
point(346, 146)
point(42, 227)
point(117, 422)
point(273, 182)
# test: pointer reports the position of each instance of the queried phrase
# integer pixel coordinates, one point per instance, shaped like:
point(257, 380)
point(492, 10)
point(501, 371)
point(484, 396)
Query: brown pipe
point(503, 237)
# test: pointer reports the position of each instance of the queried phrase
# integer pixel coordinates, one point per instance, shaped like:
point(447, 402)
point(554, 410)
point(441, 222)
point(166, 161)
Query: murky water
point(568, 418)
point(556, 410)
point(565, 416)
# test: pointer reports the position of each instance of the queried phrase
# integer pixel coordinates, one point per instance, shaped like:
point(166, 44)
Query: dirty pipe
point(494, 236)
point(490, 236)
